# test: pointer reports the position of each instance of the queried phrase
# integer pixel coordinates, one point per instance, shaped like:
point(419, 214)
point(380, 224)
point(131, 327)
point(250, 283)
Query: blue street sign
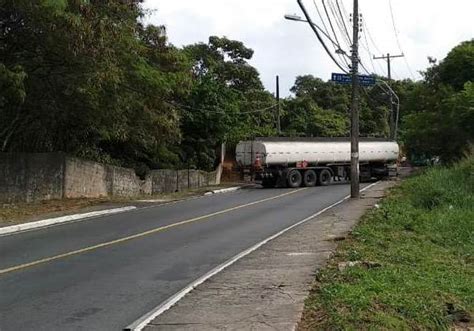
point(346, 79)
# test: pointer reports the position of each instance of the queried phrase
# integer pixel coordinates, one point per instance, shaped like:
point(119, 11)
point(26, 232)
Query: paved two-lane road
point(104, 273)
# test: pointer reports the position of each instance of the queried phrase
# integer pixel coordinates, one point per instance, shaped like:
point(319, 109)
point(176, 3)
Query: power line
point(340, 24)
point(336, 44)
point(367, 49)
point(398, 39)
point(367, 33)
point(330, 22)
point(342, 11)
point(343, 21)
point(348, 44)
point(324, 29)
point(312, 25)
point(366, 28)
point(321, 17)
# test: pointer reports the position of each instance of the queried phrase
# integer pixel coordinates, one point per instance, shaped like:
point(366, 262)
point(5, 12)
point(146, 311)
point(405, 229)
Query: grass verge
point(415, 261)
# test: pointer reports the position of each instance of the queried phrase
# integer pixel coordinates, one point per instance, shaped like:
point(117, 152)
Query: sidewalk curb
point(58, 220)
point(224, 190)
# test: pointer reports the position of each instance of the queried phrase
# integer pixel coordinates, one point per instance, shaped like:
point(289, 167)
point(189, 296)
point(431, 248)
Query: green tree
point(225, 94)
point(444, 130)
point(304, 117)
point(458, 67)
point(326, 95)
point(438, 121)
point(96, 82)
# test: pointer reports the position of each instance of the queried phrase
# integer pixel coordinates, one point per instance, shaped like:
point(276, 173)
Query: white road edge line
point(60, 220)
point(224, 190)
point(143, 321)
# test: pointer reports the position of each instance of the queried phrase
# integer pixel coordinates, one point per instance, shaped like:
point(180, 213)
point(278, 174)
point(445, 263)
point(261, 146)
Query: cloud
point(286, 48)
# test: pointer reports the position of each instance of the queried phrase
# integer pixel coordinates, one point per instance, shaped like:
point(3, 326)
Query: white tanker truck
point(308, 162)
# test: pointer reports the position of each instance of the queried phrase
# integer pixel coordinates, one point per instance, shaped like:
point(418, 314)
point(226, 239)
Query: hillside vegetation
point(91, 79)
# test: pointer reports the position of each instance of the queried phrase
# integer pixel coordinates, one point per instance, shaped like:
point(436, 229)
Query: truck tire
point(294, 178)
point(310, 178)
point(325, 177)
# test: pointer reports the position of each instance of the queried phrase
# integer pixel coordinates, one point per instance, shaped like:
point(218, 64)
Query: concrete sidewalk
point(266, 289)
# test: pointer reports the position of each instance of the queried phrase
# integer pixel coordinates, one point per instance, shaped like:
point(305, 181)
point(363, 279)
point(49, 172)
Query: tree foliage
point(94, 82)
point(87, 77)
point(225, 93)
point(440, 116)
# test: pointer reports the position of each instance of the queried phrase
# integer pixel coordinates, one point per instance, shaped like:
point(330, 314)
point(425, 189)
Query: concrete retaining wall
point(44, 176)
point(30, 177)
point(85, 179)
point(168, 181)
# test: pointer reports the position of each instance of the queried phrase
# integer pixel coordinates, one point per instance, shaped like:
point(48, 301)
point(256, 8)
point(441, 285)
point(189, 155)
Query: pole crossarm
point(385, 57)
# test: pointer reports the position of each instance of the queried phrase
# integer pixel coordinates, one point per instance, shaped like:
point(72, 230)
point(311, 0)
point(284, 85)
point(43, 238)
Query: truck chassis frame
point(322, 175)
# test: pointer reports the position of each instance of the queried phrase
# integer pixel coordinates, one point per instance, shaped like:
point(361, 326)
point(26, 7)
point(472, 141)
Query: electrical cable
point(342, 22)
point(367, 33)
point(336, 44)
point(398, 40)
point(334, 32)
point(321, 17)
point(330, 21)
point(311, 24)
point(367, 49)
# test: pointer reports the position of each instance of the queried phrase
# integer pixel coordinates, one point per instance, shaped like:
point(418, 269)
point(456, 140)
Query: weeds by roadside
point(414, 258)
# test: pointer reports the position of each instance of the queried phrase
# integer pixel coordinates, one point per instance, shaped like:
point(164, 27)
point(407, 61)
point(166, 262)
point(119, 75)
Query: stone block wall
point(44, 176)
point(125, 183)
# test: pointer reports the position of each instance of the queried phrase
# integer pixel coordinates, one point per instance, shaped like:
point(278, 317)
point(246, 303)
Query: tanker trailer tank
point(294, 163)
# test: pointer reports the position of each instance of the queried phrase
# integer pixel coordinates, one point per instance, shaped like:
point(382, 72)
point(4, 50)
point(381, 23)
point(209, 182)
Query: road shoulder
point(267, 288)
point(20, 217)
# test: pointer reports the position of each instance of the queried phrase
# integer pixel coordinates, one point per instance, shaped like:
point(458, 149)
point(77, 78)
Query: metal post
point(278, 105)
point(392, 119)
point(355, 105)
point(392, 115)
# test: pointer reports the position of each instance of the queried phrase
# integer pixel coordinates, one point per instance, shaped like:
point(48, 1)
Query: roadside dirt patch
point(11, 214)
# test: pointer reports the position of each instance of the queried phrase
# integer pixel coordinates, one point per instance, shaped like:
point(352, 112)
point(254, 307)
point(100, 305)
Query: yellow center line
point(139, 235)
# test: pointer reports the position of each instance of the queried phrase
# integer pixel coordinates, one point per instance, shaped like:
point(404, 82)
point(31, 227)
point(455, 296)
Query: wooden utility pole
point(278, 123)
point(355, 105)
point(388, 57)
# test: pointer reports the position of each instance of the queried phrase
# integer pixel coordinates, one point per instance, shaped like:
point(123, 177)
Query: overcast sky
point(287, 48)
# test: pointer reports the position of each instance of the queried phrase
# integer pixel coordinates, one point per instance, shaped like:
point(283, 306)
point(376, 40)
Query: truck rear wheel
point(310, 178)
point(294, 178)
point(325, 177)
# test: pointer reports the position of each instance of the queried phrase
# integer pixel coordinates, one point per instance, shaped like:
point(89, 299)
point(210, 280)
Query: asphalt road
point(104, 273)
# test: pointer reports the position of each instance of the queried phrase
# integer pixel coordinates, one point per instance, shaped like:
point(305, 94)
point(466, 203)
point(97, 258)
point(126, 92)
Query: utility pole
point(388, 57)
point(355, 105)
point(278, 123)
